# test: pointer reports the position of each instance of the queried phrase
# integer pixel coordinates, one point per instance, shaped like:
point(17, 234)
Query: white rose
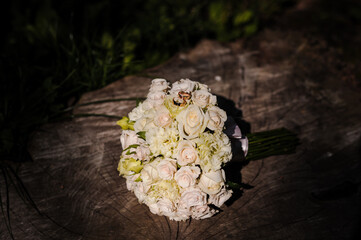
point(220, 198)
point(139, 125)
point(158, 84)
point(212, 182)
point(186, 153)
point(153, 207)
point(156, 98)
point(162, 117)
point(186, 176)
point(128, 137)
point(130, 181)
point(203, 98)
point(149, 174)
point(166, 168)
point(146, 121)
point(191, 122)
point(216, 117)
point(202, 86)
point(183, 85)
point(142, 152)
point(192, 197)
point(137, 112)
point(166, 206)
point(140, 191)
point(202, 212)
point(181, 214)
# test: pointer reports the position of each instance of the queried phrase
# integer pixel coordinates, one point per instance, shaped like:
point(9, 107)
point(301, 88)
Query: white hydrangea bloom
point(214, 150)
point(162, 141)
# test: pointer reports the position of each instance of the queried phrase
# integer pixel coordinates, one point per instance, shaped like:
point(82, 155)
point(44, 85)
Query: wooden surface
point(276, 82)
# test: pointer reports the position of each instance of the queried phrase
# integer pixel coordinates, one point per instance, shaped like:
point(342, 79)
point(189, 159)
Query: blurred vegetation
point(53, 51)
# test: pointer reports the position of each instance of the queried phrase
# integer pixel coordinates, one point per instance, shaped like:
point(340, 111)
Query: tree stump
point(312, 194)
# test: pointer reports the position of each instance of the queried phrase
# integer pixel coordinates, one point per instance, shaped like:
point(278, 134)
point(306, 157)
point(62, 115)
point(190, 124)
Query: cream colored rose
point(220, 198)
point(128, 137)
point(139, 125)
point(145, 122)
point(191, 122)
point(149, 174)
point(192, 197)
point(159, 84)
point(162, 117)
point(186, 176)
point(137, 112)
point(186, 153)
point(183, 85)
point(202, 212)
point(201, 86)
point(203, 98)
point(156, 98)
point(212, 182)
point(216, 117)
point(166, 168)
point(181, 214)
point(166, 207)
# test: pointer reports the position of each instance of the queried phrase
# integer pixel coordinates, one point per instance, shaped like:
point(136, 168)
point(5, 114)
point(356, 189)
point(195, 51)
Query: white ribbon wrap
point(234, 132)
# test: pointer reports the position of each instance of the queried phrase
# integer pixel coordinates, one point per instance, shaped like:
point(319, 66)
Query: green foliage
point(141, 135)
point(53, 51)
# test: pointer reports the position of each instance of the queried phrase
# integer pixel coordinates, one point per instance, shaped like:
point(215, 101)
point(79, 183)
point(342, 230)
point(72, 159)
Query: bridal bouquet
point(174, 148)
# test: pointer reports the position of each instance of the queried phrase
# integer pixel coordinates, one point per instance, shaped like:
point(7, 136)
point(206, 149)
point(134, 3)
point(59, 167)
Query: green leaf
point(130, 153)
point(141, 135)
point(107, 41)
point(123, 123)
point(243, 17)
point(131, 146)
point(233, 185)
point(126, 124)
